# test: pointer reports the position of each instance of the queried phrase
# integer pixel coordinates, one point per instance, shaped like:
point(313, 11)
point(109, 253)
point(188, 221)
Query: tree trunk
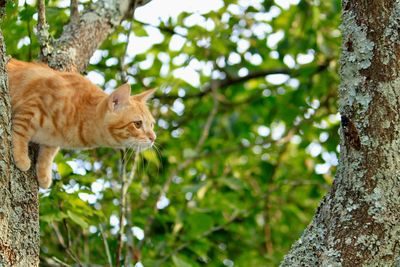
point(19, 209)
point(357, 223)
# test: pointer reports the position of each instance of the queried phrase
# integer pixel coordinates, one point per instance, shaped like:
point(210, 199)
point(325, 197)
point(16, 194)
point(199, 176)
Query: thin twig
point(210, 119)
point(123, 176)
point(126, 182)
point(53, 261)
point(131, 255)
point(106, 247)
point(61, 240)
point(74, 17)
point(60, 262)
point(169, 30)
point(58, 234)
point(69, 240)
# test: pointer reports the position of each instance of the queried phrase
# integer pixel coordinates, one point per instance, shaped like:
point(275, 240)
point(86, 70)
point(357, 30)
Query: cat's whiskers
point(125, 153)
point(141, 158)
point(157, 147)
point(132, 150)
point(158, 152)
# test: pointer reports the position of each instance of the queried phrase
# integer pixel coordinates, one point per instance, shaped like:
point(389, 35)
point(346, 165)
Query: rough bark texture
point(358, 222)
point(72, 51)
point(19, 211)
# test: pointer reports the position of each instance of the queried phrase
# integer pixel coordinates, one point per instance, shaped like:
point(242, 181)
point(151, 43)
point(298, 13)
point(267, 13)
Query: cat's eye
point(138, 124)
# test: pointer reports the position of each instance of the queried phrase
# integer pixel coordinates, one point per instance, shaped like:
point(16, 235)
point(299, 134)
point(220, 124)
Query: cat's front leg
point(20, 152)
point(22, 132)
point(43, 165)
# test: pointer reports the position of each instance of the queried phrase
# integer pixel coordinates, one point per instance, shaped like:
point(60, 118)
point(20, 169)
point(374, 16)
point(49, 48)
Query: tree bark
point(81, 37)
point(19, 206)
point(19, 210)
point(357, 223)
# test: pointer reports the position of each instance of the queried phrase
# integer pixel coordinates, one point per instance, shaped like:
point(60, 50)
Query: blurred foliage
point(247, 137)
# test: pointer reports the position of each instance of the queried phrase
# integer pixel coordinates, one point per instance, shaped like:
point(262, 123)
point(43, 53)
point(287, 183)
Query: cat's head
point(129, 120)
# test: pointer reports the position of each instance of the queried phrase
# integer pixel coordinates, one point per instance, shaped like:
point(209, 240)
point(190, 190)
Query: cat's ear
point(120, 97)
point(146, 95)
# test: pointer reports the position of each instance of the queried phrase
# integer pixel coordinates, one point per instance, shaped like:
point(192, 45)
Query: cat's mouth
point(141, 145)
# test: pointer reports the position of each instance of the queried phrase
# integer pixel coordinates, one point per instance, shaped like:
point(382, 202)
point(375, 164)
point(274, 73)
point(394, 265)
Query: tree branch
point(79, 40)
point(230, 81)
point(125, 184)
point(253, 75)
point(74, 17)
point(106, 247)
point(168, 30)
point(43, 31)
point(66, 246)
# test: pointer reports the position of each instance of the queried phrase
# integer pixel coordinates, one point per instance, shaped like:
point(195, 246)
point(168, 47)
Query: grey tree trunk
point(19, 211)
point(19, 207)
point(358, 222)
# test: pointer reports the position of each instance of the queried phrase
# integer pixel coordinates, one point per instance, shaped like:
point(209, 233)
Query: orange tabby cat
point(60, 109)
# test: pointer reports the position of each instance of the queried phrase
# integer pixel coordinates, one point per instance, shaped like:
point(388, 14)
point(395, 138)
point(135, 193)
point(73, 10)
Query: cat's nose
point(152, 137)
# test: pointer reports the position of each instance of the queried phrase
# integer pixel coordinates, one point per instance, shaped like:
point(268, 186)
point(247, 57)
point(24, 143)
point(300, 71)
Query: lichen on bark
point(80, 39)
point(357, 223)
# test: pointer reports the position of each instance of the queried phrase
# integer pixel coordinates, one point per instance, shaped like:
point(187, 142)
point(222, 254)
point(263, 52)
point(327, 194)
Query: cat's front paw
point(23, 164)
point(44, 181)
point(44, 176)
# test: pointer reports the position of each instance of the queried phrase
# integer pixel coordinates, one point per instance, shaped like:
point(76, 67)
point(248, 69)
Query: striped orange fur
point(61, 109)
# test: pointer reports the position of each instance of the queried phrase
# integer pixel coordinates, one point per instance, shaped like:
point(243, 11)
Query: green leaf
point(64, 169)
point(151, 156)
point(232, 182)
point(179, 262)
point(77, 219)
point(141, 32)
point(51, 217)
point(189, 153)
point(199, 223)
